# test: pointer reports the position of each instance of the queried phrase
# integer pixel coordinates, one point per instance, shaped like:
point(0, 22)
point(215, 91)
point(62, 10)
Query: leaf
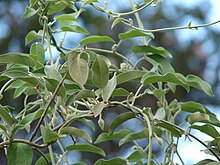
point(116, 21)
point(120, 92)
point(86, 147)
point(115, 161)
point(150, 49)
point(29, 12)
point(174, 131)
point(17, 58)
point(92, 39)
point(134, 33)
point(197, 82)
point(88, 122)
point(6, 116)
point(116, 135)
point(86, 2)
point(207, 162)
point(19, 154)
point(119, 120)
point(63, 17)
point(32, 35)
point(134, 136)
point(197, 117)
point(100, 72)
point(48, 135)
point(83, 94)
point(42, 161)
point(76, 132)
point(136, 156)
point(74, 28)
point(52, 84)
point(208, 129)
point(192, 107)
point(101, 123)
point(3, 127)
point(129, 75)
point(38, 50)
point(79, 71)
point(110, 87)
point(153, 77)
point(97, 109)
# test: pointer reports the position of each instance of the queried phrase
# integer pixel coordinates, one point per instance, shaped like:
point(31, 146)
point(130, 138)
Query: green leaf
point(101, 123)
point(32, 35)
point(92, 39)
point(74, 28)
point(160, 114)
point(129, 76)
point(192, 107)
point(86, 147)
point(38, 50)
point(207, 162)
point(52, 84)
point(120, 92)
point(174, 131)
point(29, 12)
point(153, 77)
point(197, 117)
point(116, 21)
point(119, 120)
point(133, 33)
point(19, 154)
point(79, 163)
point(150, 49)
point(83, 94)
point(76, 132)
point(63, 17)
point(110, 87)
point(86, 2)
point(115, 161)
point(97, 109)
point(197, 82)
point(79, 70)
point(52, 72)
point(17, 58)
point(6, 116)
point(134, 136)
point(136, 156)
point(56, 7)
point(42, 161)
point(100, 72)
point(116, 135)
point(208, 129)
point(32, 2)
point(48, 135)
point(3, 127)
point(88, 122)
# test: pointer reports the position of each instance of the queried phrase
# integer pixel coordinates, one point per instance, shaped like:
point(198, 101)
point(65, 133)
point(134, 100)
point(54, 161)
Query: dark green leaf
point(174, 131)
point(92, 39)
point(52, 84)
point(79, 70)
point(3, 127)
point(119, 120)
point(86, 147)
point(6, 116)
point(38, 50)
point(97, 109)
point(192, 107)
point(116, 135)
point(206, 162)
point(208, 129)
point(83, 94)
point(48, 135)
point(114, 161)
point(129, 76)
point(17, 58)
point(19, 154)
point(89, 123)
point(76, 132)
point(136, 156)
point(74, 28)
point(42, 160)
point(134, 33)
point(120, 92)
point(100, 72)
point(32, 35)
point(110, 87)
point(29, 12)
point(150, 49)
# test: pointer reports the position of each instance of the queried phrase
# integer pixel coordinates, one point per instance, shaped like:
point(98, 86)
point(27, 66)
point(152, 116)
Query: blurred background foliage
point(194, 51)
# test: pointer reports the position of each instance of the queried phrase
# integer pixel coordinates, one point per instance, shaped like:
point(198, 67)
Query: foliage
point(81, 84)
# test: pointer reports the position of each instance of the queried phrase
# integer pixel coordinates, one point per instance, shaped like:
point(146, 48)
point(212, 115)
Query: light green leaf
point(74, 28)
point(29, 12)
point(119, 120)
point(83, 94)
point(3, 127)
point(116, 21)
point(76, 132)
point(38, 49)
point(63, 17)
point(32, 3)
point(153, 77)
point(101, 123)
point(19, 154)
point(114, 161)
point(6, 116)
point(160, 114)
point(197, 82)
point(17, 58)
point(86, 147)
point(150, 49)
point(88, 122)
point(116, 135)
point(92, 39)
point(174, 131)
point(129, 76)
point(197, 117)
point(133, 33)
point(51, 85)
point(100, 72)
point(48, 135)
point(110, 87)
point(136, 156)
point(32, 35)
point(86, 2)
point(79, 70)
point(208, 129)
point(97, 109)
point(192, 107)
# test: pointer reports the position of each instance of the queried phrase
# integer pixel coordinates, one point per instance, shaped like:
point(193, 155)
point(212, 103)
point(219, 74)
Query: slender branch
point(48, 106)
point(3, 144)
point(40, 152)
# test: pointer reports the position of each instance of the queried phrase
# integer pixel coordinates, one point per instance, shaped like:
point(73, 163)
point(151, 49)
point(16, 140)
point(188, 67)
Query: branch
point(3, 144)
